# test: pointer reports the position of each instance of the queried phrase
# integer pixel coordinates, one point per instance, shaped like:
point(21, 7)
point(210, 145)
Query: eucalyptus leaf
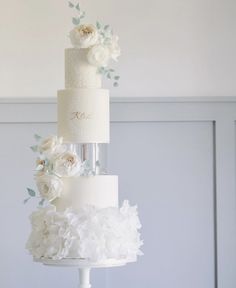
point(76, 21)
point(26, 200)
point(111, 70)
point(37, 137)
point(31, 192)
point(77, 7)
point(98, 25)
point(109, 76)
point(71, 5)
point(34, 148)
point(41, 202)
point(115, 84)
point(106, 27)
point(117, 77)
point(82, 16)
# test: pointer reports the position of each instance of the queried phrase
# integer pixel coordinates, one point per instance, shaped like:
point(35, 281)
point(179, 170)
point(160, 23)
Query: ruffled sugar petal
point(93, 234)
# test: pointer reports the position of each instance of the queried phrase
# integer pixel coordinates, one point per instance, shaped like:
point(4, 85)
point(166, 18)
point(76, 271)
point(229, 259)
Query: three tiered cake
point(79, 217)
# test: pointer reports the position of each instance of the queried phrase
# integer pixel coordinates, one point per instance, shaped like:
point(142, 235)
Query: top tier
point(79, 73)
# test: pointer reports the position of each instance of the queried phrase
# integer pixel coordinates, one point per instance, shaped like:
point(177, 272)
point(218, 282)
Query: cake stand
point(84, 266)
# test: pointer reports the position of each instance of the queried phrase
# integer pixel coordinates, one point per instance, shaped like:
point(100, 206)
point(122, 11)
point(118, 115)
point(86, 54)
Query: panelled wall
point(175, 158)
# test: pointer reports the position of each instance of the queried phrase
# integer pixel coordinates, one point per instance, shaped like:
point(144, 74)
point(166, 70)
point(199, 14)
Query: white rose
point(114, 48)
point(66, 164)
point(84, 36)
point(50, 145)
point(99, 55)
point(49, 186)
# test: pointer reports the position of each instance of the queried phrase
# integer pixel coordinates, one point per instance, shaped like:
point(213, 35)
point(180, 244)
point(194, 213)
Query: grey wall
point(175, 158)
point(169, 48)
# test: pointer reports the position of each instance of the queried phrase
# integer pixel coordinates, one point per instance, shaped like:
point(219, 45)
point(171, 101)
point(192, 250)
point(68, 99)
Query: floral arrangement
point(99, 40)
point(93, 234)
point(54, 161)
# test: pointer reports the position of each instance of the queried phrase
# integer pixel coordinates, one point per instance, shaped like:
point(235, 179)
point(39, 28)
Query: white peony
point(99, 55)
point(114, 48)
point(84, 36)
point(49, 186)
point(50, 145)
point(66, 164)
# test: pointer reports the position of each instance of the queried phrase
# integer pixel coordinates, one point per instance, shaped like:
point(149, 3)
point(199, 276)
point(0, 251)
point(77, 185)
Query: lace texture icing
point(78, 72)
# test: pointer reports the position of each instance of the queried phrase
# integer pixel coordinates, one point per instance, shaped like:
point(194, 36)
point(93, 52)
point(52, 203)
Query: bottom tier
point(100, 191)
point(93, 234)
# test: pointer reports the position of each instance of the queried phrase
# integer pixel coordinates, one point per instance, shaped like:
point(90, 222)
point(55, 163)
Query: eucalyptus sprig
point(32, 195)
point(35, 147)
point(105, 32)
point(110, 74)
point(79, 14)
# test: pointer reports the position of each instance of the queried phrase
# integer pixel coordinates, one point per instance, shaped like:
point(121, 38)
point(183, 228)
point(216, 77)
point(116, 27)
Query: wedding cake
point(79, 215)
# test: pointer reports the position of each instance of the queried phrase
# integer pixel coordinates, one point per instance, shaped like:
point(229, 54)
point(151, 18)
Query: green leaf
point(109, 76)
point(41, 202)
point(76, 21)
point(117, 78)
point(26, 200)
point(98, 25)
point(77, 7)
point(71, 5)
point(82, 16)
point(115, 84)
point(34, 148)
point(37, 137)
point(111, 70)
point(31, 192)
point(106, 27)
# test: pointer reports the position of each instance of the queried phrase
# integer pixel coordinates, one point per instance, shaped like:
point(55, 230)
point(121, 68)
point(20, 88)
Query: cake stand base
point(84, 266)
point(84, 278)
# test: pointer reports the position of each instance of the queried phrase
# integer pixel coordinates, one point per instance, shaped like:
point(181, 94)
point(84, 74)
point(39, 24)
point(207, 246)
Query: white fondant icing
point(78, 72)
point(83, 115)
point(100, 191)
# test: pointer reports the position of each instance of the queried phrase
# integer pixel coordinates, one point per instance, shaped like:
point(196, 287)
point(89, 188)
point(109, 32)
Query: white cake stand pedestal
point(84, 266)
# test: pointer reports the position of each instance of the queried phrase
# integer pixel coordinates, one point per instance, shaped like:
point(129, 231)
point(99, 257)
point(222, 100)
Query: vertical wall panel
point(167, 169)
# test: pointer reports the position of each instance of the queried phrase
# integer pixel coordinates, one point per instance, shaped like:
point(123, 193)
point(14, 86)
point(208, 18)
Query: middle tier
point(100, 191)
point(83, 115)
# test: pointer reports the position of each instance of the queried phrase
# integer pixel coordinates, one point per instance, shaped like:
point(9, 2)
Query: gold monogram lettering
point(80, 116)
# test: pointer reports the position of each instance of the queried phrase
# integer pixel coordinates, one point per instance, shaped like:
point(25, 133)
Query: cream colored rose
point(49, 186)
point(114, 48)
point(67, 164)
point(84, 36)
point(50, 145)
point(98, 55)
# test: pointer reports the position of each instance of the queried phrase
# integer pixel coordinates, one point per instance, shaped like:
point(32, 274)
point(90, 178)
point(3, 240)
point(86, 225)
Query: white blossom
point(66, 164)
point(84, 36)
point(51, 145)
point(49, 186)
point(99, 55)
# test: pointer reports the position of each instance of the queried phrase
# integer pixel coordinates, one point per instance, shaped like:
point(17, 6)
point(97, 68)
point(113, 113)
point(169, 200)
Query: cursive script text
point(80, 116)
